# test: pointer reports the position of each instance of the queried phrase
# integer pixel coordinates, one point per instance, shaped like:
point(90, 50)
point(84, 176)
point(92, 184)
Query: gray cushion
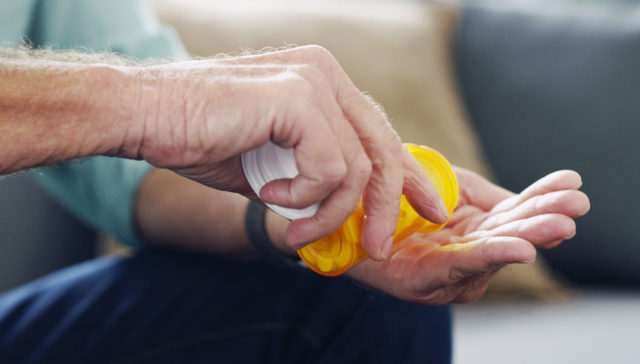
point(553, 88)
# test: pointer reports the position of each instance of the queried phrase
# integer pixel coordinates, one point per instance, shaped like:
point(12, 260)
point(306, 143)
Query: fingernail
point(295, 243)
point(385, 251)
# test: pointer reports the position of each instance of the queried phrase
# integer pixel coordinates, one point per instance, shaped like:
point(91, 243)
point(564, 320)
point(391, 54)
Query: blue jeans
point(164, 306)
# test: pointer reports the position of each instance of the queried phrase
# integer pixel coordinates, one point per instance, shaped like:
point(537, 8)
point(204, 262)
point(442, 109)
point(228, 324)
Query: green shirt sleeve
point(101, 190)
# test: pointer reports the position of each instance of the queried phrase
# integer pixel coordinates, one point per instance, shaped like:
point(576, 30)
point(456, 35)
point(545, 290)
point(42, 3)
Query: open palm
point(490, 228)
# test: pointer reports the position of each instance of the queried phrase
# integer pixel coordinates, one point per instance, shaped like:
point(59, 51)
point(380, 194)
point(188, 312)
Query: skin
point(197, 117)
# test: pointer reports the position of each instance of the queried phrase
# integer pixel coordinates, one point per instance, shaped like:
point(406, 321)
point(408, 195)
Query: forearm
point(175, 211)
point(52, 111)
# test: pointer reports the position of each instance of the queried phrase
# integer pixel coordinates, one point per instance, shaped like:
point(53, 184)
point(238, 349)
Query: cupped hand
point(201, 115)
point(490, 228)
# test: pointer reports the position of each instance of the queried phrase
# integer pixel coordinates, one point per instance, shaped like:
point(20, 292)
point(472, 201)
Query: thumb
point(482, 256)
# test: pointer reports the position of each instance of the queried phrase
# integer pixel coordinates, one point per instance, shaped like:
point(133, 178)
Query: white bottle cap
point(268, 163)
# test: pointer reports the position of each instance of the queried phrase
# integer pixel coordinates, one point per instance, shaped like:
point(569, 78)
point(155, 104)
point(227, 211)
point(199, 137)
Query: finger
point(478, 191)
point(320, 171)
point(421, 193)
point(556, 181)
point(332, 211)
point(566, 202)
point(341, 202)
point(314, 167)
point(539, 230)
point(381, 198)
point(483, 255)
point(381, 203)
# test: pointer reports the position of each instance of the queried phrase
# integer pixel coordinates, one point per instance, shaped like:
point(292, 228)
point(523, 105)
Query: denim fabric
point(175, 307)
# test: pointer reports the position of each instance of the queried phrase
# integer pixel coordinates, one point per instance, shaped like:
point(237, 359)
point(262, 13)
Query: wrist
point(132, 103)
point(276, 227)
point(159, 133)
point(111, 103)
point(256, 227)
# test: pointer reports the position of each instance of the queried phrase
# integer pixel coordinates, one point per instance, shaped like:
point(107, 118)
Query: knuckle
point(336, 173)
point(295, 91)
point(363, 168)
point(556, 202)
point(335, 215)
point(466, 176)
point(316, 51)
point(377, 163)
point(392, 155)
point(323, 59)
point(325, 222)
point(395, 143)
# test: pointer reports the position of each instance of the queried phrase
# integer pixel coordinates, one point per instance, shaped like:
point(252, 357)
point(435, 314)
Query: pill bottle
point(341, 250)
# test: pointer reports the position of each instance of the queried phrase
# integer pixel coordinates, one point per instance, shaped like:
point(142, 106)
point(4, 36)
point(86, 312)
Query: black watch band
point(255, 224)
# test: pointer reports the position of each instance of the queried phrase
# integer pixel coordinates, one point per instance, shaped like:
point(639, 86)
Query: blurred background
point(510, 89)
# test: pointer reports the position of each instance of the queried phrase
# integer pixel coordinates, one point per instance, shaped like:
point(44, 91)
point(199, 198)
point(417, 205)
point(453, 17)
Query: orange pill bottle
point(336, 253)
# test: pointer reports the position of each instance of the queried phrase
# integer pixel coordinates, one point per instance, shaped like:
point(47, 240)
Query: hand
point(491, 227)
point(201, 115)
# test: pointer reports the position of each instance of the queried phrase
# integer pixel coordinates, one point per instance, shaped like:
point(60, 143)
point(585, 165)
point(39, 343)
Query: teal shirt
point(99, 190)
